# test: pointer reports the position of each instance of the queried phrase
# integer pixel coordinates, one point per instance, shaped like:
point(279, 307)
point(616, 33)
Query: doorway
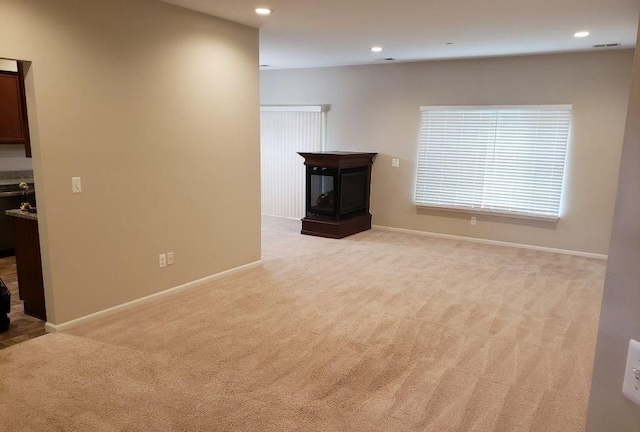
point(20, 261)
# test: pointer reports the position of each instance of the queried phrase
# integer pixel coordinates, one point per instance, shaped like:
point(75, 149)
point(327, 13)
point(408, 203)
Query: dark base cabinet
point(29, 267)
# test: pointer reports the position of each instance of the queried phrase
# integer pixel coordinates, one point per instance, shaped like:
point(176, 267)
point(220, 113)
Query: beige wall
point(609, 410)
point(376, 108)
point(156, 108)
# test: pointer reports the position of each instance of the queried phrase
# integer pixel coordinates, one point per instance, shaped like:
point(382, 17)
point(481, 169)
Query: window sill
point(489, 212)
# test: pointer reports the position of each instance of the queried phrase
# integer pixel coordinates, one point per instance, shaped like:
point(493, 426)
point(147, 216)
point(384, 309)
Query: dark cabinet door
point(29, 267)
point(13, 110)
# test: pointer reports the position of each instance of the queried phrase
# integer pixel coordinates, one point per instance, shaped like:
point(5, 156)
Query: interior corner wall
point(156, 108)
point(376, 108)
point(609, 410)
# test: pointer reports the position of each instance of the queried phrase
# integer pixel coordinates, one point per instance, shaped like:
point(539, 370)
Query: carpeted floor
point(377, 332)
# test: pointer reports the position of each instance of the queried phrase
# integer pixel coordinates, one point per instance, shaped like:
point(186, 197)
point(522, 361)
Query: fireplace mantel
point(338, 187)
point(338, 159)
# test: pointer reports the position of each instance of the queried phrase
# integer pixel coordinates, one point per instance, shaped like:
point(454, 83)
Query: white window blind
point(504, 160)
point(285, 131)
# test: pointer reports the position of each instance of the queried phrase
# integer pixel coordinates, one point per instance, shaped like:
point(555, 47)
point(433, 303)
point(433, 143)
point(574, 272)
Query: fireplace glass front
point(353, 191)
point(335, 194)
point(322, 195)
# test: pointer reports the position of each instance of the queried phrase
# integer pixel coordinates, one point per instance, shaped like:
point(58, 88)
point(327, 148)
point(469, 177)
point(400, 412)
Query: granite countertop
point(22, 214)
point(14, 177)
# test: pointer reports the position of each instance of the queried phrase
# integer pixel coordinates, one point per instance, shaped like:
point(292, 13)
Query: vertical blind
point(285, 131)
point(504, 160)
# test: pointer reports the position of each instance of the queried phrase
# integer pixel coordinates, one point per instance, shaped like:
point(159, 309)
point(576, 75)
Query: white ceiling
point(313, 33)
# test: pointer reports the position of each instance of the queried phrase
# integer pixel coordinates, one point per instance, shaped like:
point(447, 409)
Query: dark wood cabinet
point(29, 267)
point(14, 124)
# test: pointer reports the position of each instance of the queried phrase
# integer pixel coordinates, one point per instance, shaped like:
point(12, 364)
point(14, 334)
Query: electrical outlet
point(76, 185)
point(631, 384)
point(163, 260)
point(473, 220)
point(395, 163)
point(169, 258)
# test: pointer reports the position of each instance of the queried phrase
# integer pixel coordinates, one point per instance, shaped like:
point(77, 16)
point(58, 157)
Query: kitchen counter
point(22, 214)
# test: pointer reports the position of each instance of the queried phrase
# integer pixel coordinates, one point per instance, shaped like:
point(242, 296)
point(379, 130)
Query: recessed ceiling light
point(376, 49)
point(263, 11)
point(581, 34)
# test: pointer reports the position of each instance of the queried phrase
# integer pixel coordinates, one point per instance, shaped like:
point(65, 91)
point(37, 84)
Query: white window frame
point(468, 168)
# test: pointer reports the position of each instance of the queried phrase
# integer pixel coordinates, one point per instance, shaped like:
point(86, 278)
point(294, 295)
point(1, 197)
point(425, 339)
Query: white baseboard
point(493, 242)
point(283, 217)
point(53, 328)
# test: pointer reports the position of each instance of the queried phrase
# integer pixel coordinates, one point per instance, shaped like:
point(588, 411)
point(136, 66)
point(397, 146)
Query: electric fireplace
point(338, 189)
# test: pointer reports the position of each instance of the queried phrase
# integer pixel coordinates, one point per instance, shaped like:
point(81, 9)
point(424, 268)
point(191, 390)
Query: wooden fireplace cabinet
point(338, 188)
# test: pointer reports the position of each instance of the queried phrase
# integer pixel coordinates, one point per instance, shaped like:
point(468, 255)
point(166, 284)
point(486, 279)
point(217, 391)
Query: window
point(502, 160)
point(284, 131)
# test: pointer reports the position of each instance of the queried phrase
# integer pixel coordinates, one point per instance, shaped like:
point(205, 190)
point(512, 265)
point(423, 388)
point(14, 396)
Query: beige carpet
point(377, 332)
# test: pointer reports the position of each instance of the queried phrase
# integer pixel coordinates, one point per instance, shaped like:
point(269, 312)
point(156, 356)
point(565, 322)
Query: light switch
point(76, 185)
point(395, 163)
point(631, 383)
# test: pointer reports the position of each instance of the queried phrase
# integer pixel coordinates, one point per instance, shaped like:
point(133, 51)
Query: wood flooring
point(23, 327)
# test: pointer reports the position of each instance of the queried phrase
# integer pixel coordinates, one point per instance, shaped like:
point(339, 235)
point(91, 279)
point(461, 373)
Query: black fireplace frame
point(339, 209)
